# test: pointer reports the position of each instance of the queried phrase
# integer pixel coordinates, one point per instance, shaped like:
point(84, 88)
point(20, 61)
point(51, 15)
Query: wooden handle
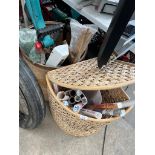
point(102, 106)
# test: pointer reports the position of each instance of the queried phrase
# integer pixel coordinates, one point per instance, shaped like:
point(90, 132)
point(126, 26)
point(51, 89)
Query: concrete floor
point(114, 139)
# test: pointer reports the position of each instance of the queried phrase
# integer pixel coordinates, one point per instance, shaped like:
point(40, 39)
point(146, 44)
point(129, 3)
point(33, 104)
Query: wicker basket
point(40, 70)
point(70, 122)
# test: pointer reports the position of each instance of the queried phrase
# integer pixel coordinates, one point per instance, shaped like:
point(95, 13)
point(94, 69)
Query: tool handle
point(118, 105)
point(49, 30)
point(125, 104)
point(102, 106)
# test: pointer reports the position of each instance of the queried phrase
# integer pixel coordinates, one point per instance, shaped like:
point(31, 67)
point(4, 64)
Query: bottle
point(34, 56)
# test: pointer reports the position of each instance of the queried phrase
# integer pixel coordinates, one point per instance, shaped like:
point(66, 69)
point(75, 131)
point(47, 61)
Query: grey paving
point(130, 118)
point(119, 139)
point(48, 139)
point(130, 90)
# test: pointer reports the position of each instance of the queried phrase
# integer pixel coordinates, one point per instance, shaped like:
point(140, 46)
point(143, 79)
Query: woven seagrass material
point(114, 96)
point(40, 70)
point(71, 123)
point(86, 75)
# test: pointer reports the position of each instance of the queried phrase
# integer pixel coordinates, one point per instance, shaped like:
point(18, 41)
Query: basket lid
point(86, 75)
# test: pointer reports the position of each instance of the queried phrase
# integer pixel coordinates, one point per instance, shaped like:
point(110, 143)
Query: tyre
point(32, 107)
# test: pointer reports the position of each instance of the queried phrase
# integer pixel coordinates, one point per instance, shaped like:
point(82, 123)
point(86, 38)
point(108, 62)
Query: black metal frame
point(102, 11)
point(121, 18)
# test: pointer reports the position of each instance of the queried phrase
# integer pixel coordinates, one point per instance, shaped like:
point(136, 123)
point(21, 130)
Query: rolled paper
point(118, 105)
point(117, 112)
point(71, 100)
point(83, 117)
point(67, 92)
point(82, 95)
point(84, 100)
point(78, 107)
point(55, 87)
point(91, 113)
point(62, 96)
point(79, 93)
point(125, 104)
point(102, 106)
point(77, 98)
point(108, 112)
point(72, 93)
point(65, 103)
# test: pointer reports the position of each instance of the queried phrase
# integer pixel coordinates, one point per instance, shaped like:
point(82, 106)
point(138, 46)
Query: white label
point(119, 105)
point(122, 114)
point(65, 103)
point(83, 117)
point(108, 112)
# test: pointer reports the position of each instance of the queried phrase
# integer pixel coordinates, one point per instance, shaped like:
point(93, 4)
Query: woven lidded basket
point(86, 75)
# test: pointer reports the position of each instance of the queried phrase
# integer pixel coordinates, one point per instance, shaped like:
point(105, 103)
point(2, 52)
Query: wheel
point(32, 107)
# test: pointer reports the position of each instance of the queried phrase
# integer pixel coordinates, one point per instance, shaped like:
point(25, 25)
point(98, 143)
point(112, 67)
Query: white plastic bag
point(34, 56)
point(27, 38)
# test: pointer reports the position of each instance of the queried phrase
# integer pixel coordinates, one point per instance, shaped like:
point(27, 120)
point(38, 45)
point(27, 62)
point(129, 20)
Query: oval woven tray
point(86, 75)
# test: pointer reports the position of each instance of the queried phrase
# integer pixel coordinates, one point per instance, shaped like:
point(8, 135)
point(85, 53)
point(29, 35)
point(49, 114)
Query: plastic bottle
point(34, 55)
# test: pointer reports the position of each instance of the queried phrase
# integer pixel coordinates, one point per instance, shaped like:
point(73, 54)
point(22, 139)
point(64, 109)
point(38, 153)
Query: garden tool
point(43, 32)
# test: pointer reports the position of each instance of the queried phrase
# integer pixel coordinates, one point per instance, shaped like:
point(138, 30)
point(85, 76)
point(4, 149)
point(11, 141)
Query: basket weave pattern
point(86, 75)
point(71, 123)
point(40, 73)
